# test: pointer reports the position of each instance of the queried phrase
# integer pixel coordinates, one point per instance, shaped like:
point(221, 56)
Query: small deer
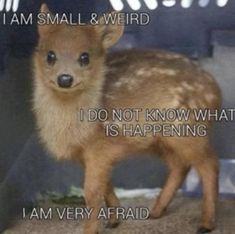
point(73, 71)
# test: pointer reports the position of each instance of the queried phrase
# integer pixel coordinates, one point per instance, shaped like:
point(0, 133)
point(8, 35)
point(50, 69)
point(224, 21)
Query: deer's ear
point(109, 29)
point(43, 29)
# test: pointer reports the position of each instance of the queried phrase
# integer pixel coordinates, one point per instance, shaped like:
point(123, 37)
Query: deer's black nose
point(65, 81)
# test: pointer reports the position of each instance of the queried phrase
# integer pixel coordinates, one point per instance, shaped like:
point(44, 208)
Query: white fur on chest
point(60, 127)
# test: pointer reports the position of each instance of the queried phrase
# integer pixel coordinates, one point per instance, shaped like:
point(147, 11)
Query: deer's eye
point(51, 58)
point(84, 59)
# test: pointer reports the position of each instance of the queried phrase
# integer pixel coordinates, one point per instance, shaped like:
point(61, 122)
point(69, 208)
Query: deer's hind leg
point(195, 152)
point(208, 169)
point(177, 173)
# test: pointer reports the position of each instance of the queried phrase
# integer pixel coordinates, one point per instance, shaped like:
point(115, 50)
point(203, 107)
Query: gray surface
point(16, 124)
point(222, 66)
point(182, 217)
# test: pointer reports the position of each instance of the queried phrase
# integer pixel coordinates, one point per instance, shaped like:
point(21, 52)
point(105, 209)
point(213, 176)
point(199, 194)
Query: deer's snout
point(65, 81)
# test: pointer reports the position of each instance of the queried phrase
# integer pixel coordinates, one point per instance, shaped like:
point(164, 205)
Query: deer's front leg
point(97, 175)
point(111, 201)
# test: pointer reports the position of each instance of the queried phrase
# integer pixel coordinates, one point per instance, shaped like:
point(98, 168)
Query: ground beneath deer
point(182, 217)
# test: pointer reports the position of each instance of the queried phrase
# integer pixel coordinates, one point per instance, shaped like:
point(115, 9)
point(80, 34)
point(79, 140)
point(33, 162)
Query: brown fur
point(128, 79)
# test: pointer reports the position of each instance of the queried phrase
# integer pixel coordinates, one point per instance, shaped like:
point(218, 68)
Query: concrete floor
point(182, 217)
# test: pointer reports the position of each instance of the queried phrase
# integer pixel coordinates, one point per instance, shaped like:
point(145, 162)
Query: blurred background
point(204, 30)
